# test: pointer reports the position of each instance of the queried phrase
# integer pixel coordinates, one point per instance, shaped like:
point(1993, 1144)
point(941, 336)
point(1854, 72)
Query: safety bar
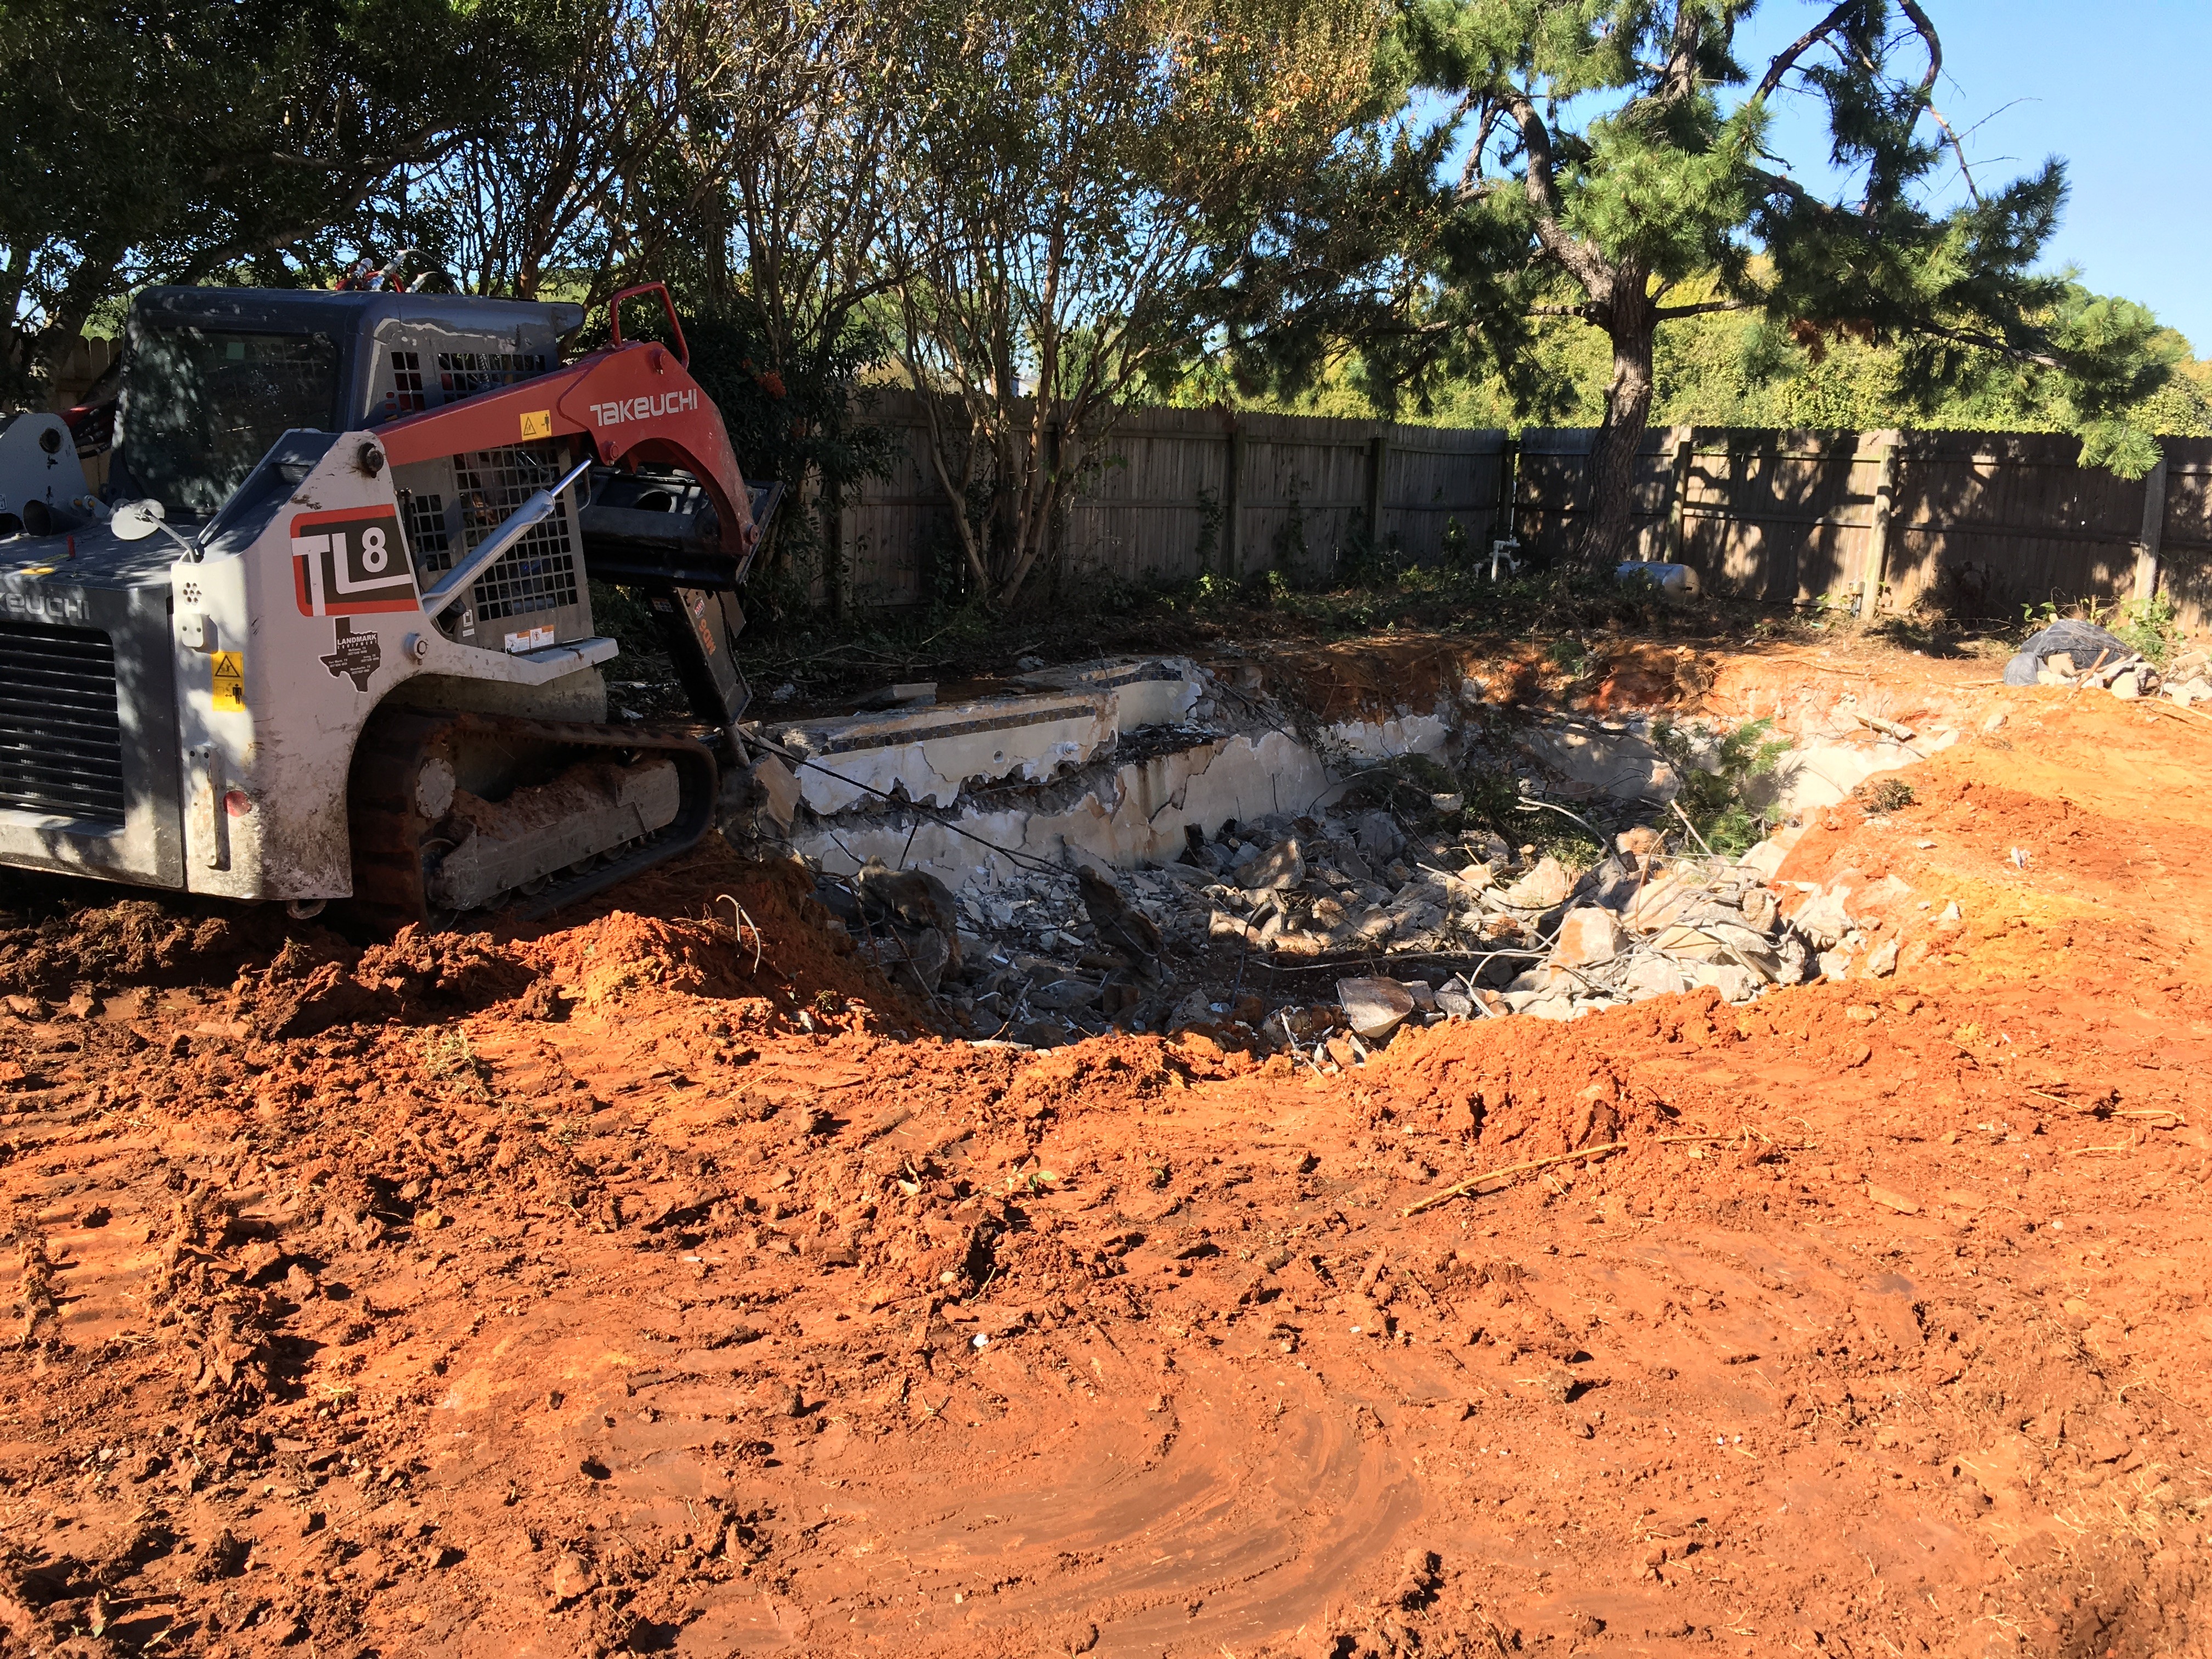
point(517, 524)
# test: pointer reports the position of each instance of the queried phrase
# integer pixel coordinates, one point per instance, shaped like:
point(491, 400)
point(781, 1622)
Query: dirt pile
point(657, 1282)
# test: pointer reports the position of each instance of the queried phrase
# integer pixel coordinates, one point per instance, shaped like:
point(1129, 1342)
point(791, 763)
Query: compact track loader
point(327, 634)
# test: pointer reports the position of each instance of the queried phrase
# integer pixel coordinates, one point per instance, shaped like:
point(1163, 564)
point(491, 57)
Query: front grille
point(61, 741)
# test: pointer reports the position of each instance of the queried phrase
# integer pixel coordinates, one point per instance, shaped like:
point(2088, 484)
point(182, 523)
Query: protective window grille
point(427, 538)
point(540, 573)
point(464, 374)
point(406, 396)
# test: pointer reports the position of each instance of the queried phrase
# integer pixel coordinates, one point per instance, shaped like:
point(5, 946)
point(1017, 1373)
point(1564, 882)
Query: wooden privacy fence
point(1977, 523)
point(1176, 492)
point(1971, 522)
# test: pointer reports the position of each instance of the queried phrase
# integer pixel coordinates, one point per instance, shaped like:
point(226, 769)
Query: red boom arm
point(634, 401)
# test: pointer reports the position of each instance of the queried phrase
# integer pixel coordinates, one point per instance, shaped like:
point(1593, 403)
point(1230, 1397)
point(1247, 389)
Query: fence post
point(1232, 542)
point(1378, 461)
point(1681, 494)
point(1877, 550)
point(1503, 516)
point(833, 573)
point(2154, 532)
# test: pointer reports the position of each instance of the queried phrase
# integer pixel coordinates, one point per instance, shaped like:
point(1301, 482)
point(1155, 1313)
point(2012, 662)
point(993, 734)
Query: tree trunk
point(1609, 526)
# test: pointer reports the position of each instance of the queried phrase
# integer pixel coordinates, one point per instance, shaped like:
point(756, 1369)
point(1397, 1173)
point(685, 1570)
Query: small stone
point(1735, 983)
point(1452, 1001)
point(1883, 961)
point(573, 1577)
point(775, 793)
point(1823, 921)
point(1761, 909)
point(1195, 1009)
point(1892, 1200)
point(1653, 978)
point(2060, 662)
point(1546, 885)
point(1994, 723)
point(1062, 995)
point(1661, 900)
point(1374, 1007)
point(1638, 842)
point(1221, 925)
point(2127, 687)
point(1834, 964)
point(1588, 937)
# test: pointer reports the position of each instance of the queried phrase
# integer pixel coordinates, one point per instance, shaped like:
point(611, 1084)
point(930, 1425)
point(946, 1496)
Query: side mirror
point(133, 521)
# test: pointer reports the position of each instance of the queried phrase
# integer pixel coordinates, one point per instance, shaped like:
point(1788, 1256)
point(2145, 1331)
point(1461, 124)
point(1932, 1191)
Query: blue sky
point(2121, 90)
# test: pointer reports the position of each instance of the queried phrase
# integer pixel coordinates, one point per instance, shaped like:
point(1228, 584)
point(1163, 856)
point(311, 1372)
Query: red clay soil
point(613, 1288)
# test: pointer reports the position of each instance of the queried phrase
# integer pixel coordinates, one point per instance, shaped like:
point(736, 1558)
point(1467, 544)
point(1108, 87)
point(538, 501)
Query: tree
point(783, 259)
point(1080, 183)
point(556, 191)
point(153, 142)
point(1606, 179)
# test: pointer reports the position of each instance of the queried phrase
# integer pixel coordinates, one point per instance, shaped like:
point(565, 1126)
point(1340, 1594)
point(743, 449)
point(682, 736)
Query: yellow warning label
point(536, 423)
point(230, 681)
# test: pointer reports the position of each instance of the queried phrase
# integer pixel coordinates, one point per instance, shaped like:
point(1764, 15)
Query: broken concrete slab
point(1281, 868)
point(929, 754)
point(776, 788)
point(1597, 759)
point(1374, 1007)
point(1589, 937)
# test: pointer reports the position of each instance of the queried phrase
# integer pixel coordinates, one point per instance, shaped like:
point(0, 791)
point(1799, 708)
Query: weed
point(1494, 802)
point(449, 1057)
point(2151, 627)
point(1889, 795)
point(1716, 788)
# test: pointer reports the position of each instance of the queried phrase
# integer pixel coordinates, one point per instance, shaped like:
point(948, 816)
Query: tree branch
point(1702, 308)
point(1539, 178)
point(1787, 59)
point(1927, 31)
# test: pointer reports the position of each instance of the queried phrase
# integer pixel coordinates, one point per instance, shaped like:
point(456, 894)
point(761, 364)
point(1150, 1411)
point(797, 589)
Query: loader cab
point(213, 377)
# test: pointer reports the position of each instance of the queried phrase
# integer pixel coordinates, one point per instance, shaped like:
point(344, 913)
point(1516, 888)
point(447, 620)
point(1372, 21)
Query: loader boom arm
point(633, 401)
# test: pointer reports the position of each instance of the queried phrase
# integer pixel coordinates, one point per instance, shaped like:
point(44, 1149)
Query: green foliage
point(1718, 801)
point(155, 143)
point(2151, 628)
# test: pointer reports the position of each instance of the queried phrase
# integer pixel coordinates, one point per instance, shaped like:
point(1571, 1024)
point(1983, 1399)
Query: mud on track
point(564, 1293)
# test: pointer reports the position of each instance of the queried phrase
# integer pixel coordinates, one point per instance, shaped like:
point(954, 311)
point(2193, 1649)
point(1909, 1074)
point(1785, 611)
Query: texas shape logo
point(357, 656)
point(351, 563)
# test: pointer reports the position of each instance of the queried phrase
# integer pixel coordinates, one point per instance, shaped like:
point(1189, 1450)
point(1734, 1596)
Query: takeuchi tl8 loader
point(327, 634)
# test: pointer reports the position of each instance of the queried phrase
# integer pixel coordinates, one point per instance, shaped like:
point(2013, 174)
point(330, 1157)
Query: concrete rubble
point(2081, 655)
point(1156, 844)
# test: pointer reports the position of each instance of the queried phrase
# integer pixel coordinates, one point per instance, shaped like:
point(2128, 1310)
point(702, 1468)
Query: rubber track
point(388, 830)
